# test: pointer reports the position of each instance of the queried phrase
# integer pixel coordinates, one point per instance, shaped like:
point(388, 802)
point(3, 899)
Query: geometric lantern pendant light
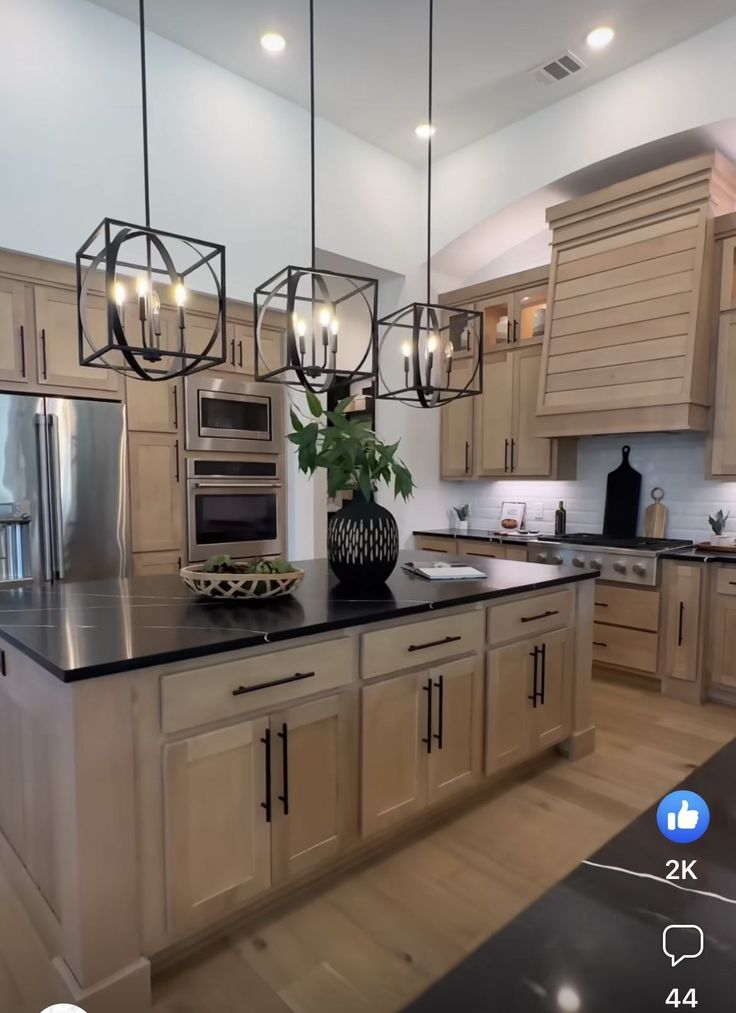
point(329, 319)
point(430, 355)
point(133, 285)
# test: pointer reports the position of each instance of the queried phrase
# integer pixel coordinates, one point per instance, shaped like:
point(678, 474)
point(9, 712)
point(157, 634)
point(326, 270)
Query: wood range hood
point(630, 327)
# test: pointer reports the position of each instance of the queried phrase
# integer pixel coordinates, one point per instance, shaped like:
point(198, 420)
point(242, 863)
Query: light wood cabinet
point(682, 585)
point(153, 407)
point(456, 429)
point(528, 698)
point(443, 546)
point(217, 837)
point(531, 454)
point(723, 444)
point(723, 641)
point(156, 493)
point(314, 749)
point(627, 345)
point(422, 737)
point(14, 351)
point(494, 416)
point(57, 341)
point(153, 564)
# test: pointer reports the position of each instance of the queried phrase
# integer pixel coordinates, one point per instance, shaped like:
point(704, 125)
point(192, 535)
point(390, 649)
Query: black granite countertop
point(594, 942)
point(84, 630)
point(690, 555)
point(475, 533)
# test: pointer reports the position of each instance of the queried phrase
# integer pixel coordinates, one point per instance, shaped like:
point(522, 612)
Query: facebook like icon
point(683, 817)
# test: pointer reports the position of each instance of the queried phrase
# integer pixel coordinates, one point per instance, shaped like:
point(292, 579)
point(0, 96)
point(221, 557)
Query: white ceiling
point(372, 54)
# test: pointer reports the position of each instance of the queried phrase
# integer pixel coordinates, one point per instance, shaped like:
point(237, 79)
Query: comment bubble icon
point(682, 942)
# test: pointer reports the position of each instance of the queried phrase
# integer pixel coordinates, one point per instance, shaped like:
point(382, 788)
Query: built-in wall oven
point(230, 414)
point(235, 507)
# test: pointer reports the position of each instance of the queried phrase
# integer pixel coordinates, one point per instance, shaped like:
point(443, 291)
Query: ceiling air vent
point(559, 68)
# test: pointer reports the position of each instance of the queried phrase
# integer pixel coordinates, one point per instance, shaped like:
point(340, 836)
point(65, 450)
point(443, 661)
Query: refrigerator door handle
point(47, 551)
point(55, 485)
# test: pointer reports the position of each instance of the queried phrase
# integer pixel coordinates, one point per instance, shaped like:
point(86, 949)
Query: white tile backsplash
point(675, 461)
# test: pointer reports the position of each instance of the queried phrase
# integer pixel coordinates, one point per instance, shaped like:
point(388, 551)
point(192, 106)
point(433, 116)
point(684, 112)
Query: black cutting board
point(623, 490)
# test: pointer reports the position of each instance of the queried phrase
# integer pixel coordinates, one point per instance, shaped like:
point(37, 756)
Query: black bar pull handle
point(3, 669)
point(516, 331)
point(176, 407)
point(544, 674)
point(533, 695)
point(44, 364)
point(240, 354)
point(427, 688)
point(599, 643)
point(296, 677)
point(680, 624)
point(284, 736)
point(467, 461)
point(176, 461)
point(232, 353)
point(540, 615)
point(513, 444)
point(22, 351)
point(266, 740)
point(601, 604)
point(433, 643)
point(440, 734)
point(506, 455)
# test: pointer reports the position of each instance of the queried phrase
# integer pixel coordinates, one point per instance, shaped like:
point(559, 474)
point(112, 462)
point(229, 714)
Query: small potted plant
point(362, 537)
point(461, 516)
point(718, 525)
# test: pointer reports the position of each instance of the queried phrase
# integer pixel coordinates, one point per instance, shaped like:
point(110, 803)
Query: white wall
point(676, 462)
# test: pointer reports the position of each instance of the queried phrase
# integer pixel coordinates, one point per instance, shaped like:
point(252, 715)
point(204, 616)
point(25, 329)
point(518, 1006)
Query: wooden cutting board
point(655, 515)
point(623, 491)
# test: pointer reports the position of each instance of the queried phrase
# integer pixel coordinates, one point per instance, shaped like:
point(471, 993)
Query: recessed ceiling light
point(272, 42)
point(425, 131)
point(600, 37)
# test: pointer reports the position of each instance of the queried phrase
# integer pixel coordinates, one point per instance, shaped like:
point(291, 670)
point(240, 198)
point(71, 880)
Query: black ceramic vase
point(362, 542)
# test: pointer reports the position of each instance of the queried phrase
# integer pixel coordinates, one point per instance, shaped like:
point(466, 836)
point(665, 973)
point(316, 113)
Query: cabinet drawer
point(435, 543)
point(726, 580)
point(627, 606)
point(625, 648)
point(219, 692)
point(490, 549)
point(529, 617)
point(385, 651)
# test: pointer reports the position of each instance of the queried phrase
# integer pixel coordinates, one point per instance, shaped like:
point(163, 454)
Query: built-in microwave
point(228, 414)
point(235, 507)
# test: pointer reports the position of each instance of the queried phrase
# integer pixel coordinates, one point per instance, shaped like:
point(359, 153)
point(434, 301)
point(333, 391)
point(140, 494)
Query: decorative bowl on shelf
point(238, 585)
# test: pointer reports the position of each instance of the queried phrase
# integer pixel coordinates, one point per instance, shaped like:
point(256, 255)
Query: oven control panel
point(619, 567)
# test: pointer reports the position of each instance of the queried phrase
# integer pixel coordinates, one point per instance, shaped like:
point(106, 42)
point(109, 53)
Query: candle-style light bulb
point(180, 297)
point(324, 322)
point(301, 329)
point(120, 295)
point(406, 352)
point(406, 349)
point(141, 287)
point(431, 344)
point(448, 350)
point(334, 330)
point(156, 314)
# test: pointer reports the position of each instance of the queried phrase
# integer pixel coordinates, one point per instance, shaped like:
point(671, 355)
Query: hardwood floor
point(382, 934)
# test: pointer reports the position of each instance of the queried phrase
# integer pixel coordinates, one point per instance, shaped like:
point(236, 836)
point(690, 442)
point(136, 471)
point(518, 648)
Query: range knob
point(596, 564)
point(639, 569)
point(619, 567)
point(541, 557)
point(578, 561)
point(557, 560)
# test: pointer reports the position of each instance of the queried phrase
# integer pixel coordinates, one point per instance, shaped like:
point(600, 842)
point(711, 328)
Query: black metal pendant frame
point(428, 376)
point(297, 368)
point(144, 357)
point(422, 388)
point(102, 257)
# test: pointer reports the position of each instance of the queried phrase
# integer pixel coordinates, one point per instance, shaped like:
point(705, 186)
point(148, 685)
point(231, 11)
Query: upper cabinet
point(495, 433)
point(629, 324)
point(13, 331)
point(723, 443)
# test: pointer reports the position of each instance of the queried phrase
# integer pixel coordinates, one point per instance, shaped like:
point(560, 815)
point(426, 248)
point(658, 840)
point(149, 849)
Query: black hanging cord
point(144, 107)
point(429, 151)
point(311, 126)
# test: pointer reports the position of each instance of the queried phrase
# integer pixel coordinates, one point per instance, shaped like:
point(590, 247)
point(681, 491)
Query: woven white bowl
point(234, 586)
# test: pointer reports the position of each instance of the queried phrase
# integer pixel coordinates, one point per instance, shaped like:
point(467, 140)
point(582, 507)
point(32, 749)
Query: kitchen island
point(171, 764)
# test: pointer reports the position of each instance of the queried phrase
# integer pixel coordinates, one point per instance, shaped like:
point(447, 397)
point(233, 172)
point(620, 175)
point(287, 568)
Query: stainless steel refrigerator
point(63, 489)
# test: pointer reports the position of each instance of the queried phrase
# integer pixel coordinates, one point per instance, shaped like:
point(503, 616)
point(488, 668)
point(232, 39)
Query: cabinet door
point(13, 331)
point(156, 507)
point(493, 416)
point(498, 322)
point(217, 837)
point(551, 719)
point(723, 641)
point(152, 564)
point(393, 768)
point(153, 407)
point(532, 455)
point(530, 313)
point(456, 422)
point(315, 783)
point(682, 621)
point(490, 550)
point(57, 338)
point(723, 446)
point(509, 680)
point(456, 760)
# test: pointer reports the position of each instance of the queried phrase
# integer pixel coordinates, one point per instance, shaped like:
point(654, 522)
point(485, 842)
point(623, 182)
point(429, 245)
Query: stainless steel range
point(620, 560)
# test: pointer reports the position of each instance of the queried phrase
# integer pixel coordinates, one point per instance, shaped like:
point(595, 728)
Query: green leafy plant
point(463, 512)
point(348, 449)
point(718, 523)
point(225, 564)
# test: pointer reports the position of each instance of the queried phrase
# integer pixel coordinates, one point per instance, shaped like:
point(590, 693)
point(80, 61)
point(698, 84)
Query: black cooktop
point(645, 544)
